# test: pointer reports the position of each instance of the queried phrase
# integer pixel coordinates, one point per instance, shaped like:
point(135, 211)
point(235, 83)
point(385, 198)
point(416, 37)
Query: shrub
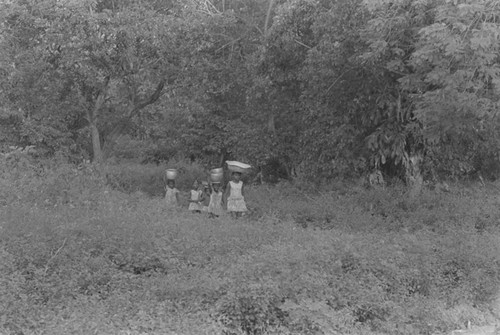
point(131, 177)
point(49, 183)
point(251, 310)
point(150, 178)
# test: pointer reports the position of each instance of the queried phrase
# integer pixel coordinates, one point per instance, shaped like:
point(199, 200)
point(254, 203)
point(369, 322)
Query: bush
point(151, 178)
point(251, 310)
point(46, 183)
point(130, 178)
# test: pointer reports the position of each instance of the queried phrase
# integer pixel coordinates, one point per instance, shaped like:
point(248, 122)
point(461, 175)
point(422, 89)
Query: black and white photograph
point(249, 167)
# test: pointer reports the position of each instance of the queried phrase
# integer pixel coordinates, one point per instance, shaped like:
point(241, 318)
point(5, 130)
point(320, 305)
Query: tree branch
point(53, 256)
point(135, 108)
point(300, 43)
point(149, 100)
point(268, 16)
point(93, 113)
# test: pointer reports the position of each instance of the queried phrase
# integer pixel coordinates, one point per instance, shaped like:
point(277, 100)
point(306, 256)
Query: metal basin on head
point(171, 173)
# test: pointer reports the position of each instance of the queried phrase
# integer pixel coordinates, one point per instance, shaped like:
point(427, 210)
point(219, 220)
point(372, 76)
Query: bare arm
point(226, 193)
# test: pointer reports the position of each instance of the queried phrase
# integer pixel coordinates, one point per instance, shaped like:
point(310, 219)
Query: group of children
point(210, 198)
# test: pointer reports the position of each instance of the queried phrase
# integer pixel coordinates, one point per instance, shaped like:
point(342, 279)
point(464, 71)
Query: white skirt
point(236, 205)
point(194, 206)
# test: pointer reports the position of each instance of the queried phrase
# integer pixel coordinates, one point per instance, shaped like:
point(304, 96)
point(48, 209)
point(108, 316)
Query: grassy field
point(80, 256)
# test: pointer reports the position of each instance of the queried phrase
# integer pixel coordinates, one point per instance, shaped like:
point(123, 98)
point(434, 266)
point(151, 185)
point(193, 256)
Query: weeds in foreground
point(348, 261)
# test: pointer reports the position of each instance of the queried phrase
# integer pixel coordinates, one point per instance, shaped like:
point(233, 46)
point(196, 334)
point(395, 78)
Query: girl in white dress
point(205, 198)
point(171, 194)
point(196, 195)
point(235, 196)
point(215, 206)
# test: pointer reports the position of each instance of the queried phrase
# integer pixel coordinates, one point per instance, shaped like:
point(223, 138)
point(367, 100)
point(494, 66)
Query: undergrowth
point(79, 255)
point(150, 178)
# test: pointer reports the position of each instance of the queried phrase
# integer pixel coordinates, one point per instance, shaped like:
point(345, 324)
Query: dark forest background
point(317, 88)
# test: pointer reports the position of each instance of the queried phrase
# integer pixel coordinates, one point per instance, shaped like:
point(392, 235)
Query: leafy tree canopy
point(325, 88)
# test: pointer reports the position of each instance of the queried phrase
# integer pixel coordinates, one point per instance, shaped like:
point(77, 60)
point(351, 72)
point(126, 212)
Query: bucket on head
point(171, 174)
point(216, 175)
point(217, 170)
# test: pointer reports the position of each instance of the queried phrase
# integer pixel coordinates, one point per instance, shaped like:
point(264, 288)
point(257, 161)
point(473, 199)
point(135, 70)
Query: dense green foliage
point(79, 257)
point(316, 87)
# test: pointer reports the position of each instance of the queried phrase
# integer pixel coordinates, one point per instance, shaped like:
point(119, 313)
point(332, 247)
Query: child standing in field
point(235, 196)
point(215, 205)
point(196, 197)
point(171, 194)
point(205, 199)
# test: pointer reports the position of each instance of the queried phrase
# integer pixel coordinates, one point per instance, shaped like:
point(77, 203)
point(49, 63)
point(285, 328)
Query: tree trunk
point(414, 177)
point(93, 116)
point(96, 143)
point(223, 156)
point(270, 123)
point(288, 171)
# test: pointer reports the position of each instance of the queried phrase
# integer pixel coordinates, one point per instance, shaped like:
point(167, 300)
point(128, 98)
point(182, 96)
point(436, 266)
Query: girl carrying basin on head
point(235, 195)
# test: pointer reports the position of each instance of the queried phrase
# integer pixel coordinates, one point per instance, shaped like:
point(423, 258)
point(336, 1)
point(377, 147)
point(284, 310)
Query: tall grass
point(96, 259)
